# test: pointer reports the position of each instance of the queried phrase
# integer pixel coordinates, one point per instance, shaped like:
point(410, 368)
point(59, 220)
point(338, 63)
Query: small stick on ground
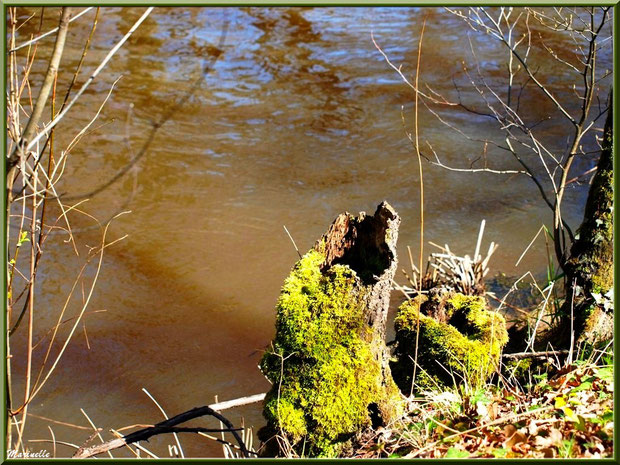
point(543, 354)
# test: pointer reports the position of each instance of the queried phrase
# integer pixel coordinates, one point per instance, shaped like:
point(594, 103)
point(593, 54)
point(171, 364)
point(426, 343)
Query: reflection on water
point(299, 120)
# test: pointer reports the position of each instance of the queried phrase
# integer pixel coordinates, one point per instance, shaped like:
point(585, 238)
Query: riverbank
point(567, 413)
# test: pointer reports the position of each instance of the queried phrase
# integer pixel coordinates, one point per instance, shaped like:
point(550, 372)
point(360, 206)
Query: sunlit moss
point(520, 369)
point(447, 355)
point(325, 375)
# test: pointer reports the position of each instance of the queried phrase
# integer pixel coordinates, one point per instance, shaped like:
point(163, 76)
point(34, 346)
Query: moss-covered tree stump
point(328, 362)
point(460, 341)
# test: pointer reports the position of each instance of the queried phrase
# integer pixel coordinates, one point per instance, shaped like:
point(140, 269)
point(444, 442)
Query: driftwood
point(170, 426)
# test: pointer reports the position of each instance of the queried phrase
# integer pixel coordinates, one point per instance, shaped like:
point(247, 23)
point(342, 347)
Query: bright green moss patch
point(465, 348)
point(519, 369)
point(324, 373)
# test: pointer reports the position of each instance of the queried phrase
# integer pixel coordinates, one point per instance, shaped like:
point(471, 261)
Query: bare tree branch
point(102, 65)
point(48, 33)
point(46, 87)
point(511, 28)
point(167, 426)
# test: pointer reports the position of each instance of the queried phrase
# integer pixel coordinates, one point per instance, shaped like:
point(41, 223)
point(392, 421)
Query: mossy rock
point(328, 363)
point(463, 348)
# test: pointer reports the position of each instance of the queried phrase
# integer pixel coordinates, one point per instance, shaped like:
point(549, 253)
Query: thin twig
point(417, 147)
point(46, 86)
point(542, 354)
point(163, 412)
point(97, 431)
point(93, 76)
point(292, 240)
point(63, 423)
point(48, 33)
point(99, 252)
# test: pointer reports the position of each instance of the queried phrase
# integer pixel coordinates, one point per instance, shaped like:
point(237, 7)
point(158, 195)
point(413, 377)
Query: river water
point(300, 119)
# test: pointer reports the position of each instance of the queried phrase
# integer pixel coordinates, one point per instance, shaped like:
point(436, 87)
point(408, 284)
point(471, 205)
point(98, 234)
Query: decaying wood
point(349, 273)
point(367, 244)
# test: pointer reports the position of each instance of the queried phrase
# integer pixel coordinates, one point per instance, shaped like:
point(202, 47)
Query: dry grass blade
point(53, 441)
point(461, 274)
point(63, 423)
point(97, 430)
point(63, 443)
point(163, 412)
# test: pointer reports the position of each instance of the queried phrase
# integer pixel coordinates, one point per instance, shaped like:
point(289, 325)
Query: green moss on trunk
point(590, 270)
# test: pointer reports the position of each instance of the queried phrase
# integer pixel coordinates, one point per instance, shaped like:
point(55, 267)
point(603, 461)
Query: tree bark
point(367, 244)
point(589, 271)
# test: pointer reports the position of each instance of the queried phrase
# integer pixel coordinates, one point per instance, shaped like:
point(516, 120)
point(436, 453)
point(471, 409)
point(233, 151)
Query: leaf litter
point(569, 415)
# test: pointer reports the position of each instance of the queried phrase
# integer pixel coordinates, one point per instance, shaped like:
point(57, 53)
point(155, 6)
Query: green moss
point(470, 353)
point(603, 279)
point(289, 418)
point(324, 373)
point(520, 369)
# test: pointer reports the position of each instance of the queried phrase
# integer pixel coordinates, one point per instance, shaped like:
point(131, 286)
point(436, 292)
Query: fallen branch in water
point(169, 426)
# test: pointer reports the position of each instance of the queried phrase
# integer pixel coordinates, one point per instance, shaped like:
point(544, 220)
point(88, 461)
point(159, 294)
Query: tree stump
point(328, 362)
point(460, 341)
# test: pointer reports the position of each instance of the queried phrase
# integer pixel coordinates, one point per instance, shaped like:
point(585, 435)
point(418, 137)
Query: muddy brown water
point(300, 119)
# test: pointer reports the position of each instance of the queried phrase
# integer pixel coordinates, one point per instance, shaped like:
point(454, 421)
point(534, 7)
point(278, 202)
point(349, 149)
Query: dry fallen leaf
point(549, 452)
point(516, 438)
point(509, 430)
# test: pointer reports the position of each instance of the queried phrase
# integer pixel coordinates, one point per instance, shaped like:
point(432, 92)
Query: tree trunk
point(589, 271)
point(328, 362)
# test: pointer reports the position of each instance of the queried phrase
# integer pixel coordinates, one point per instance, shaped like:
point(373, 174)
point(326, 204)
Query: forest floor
point(566, 414)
